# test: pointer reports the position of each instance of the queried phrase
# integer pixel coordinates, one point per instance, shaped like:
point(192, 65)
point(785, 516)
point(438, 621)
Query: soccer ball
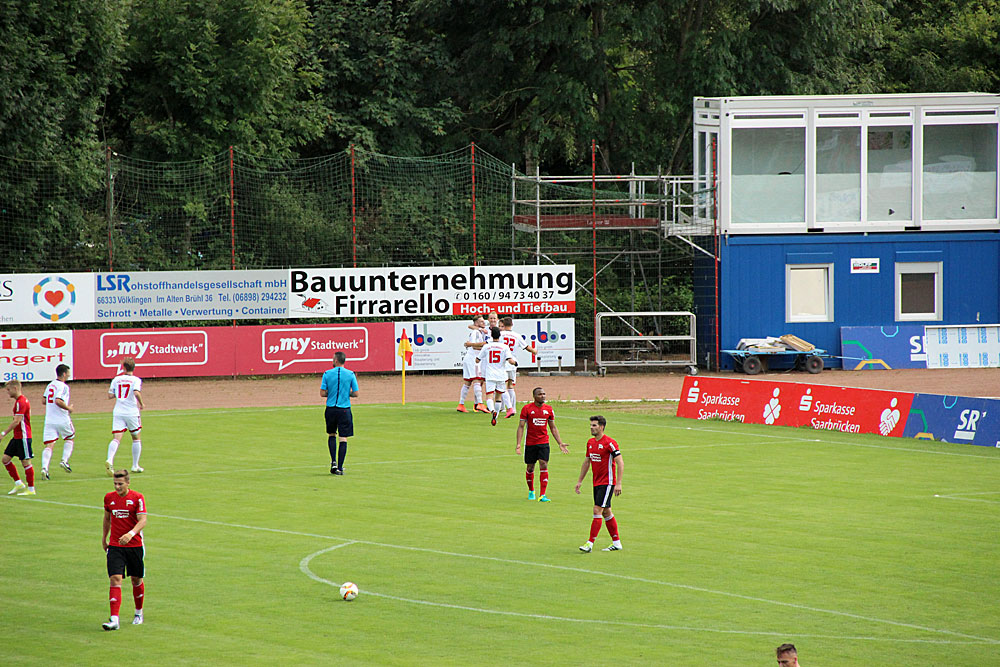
point(349, 591)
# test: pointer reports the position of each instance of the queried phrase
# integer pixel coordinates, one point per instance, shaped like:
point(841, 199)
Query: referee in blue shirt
point(338, 387)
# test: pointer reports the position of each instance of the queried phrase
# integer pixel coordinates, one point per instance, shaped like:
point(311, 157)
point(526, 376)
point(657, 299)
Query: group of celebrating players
point(124, 509)
point(490, 369)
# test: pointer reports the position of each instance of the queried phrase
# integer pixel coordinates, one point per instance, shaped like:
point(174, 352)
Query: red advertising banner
point(796, 404)
point(245, 350)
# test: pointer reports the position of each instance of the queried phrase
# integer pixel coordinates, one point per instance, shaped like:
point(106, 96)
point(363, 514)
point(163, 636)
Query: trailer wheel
point(752, 365)
point(814, 364)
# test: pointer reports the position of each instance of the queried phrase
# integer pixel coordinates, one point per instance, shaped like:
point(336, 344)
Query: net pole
point(232, 211)
point(109, 208)
point(593, 232)
point(354, 214)
point(715, 240)
point(473, 152)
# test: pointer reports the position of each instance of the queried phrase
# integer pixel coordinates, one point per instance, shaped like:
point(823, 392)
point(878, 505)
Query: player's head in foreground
point(493, 318)
point(787, 655)
point(539, 395)
point(13, 388)
point(339, 358)
point(128, 364)
point(62, 372)
point(597, 425)
point(495, 333)
point(121, 482)
point(478, 321)
point(508, 323)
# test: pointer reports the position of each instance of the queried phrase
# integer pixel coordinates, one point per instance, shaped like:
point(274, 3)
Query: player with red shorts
point(124, 517)
point(605, 460)
point(537, 417)
point(20, 442)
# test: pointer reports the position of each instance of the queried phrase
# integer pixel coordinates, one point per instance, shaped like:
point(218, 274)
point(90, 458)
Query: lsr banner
point(792, 404)
point(219, 351)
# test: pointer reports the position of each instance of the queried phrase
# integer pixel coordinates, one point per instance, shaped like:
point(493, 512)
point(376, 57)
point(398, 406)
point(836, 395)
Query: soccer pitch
point(858, 549)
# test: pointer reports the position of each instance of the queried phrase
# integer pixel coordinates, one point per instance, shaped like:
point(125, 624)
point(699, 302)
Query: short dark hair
point(128, 363)
point(60, 369)
point(476, 318)
point(600, 420)
point(339, 358)
point(785, 648)
point(123, 473)
point(495, 332)
point(507, 321)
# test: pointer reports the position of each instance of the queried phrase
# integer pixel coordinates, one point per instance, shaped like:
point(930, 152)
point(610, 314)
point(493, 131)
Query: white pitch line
point(969, 500)
point(304, 568)
point(566, 568)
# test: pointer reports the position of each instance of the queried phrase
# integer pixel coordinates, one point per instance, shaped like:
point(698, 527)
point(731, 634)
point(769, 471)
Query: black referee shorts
point(339, 421)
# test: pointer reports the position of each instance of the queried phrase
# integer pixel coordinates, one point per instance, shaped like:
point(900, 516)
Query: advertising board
point(886, 347)
point(32, 356)
point(46, 298)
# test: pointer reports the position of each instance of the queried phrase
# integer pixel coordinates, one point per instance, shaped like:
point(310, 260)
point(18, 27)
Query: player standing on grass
point(493, 361)
point(514, 342)
point(470, 368)
point(605, 460)
point(126, 389)
point(338, 386)
point(125, 517)
point(57, 420)
point(20, 442)
point(539, 418)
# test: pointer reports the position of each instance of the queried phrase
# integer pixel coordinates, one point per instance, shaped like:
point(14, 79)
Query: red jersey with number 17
point(538, 419)
point(125, 511)
point(602, 455)
point(22, 407)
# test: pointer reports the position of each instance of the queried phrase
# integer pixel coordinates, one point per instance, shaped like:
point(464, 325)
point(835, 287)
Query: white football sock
point(478, 392)
point(489, 404)
point(67, 450)
point(112, 448)
point(461, 396)
point(505, 397)
point(513, 397)
point(136, 450)
point(46, 457)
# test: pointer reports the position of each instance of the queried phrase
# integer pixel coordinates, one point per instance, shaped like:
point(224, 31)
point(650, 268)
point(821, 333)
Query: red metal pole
point(593, 230)
point(715, 236)
point(232, 208)
point(354, 214)
point(473, 147)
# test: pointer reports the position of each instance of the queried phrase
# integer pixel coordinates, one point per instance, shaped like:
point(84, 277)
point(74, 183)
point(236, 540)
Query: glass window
point(918, 290)
point(960, 172)
point(809, 292)
point(838, 174)
point(768, 169)
point(890, 167)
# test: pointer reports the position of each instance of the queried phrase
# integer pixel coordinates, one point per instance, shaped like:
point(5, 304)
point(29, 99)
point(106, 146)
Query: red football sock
point(613, 527)
point(12, 471)
point(29, 475)
point(528, 476)
point(543, 480)
point(137, 593)
point(595, 528)
point(115, 598)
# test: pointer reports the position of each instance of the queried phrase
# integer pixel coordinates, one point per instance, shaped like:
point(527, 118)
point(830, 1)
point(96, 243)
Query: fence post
point(232, 208)
point(354, 215)
point(593, 228)
point(715, 236)
point(109, 204)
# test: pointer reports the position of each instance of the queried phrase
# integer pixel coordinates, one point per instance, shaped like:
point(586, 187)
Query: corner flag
point(405, 350)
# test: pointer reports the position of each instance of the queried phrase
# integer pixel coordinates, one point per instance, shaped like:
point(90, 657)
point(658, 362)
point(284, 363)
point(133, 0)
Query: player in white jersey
point(515, 342)
point(57, 420)
point(126, 389)
point(494, 359)
point(471, 376)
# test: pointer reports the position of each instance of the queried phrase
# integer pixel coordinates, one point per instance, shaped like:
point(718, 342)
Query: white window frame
point(825, 317)
point(937, 268)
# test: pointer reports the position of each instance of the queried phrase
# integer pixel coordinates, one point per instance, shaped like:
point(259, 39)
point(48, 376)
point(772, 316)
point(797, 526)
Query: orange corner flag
point(405, 350)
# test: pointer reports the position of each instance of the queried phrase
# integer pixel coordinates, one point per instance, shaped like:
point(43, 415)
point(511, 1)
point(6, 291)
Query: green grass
point(737, 538)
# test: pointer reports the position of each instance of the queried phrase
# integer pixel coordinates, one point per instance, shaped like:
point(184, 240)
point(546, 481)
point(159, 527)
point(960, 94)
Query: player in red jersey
point(539, 418)
point(124, 517)
point(605, 460)
point(20, 442)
